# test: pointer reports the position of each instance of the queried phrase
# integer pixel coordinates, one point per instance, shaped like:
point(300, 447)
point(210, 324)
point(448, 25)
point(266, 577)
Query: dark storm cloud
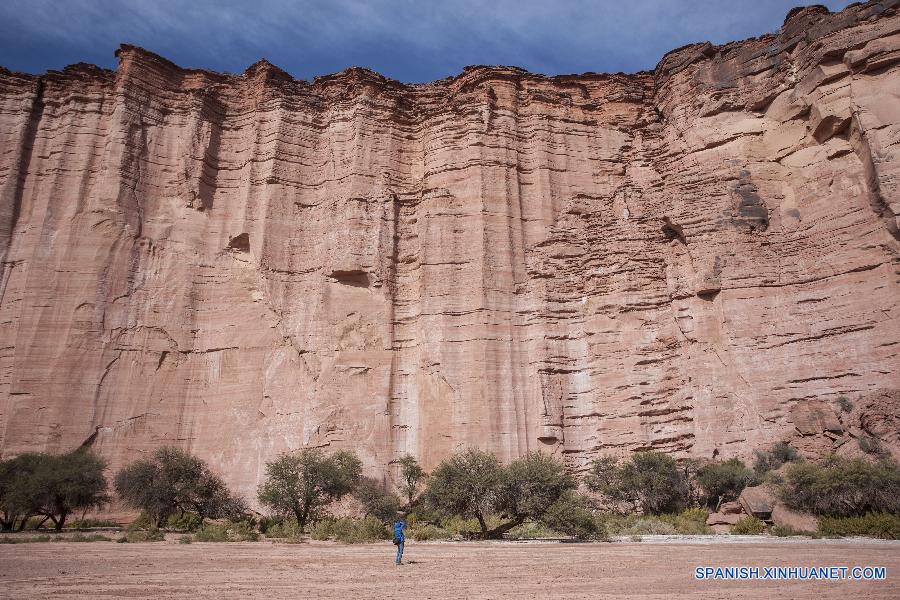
point(404, 39)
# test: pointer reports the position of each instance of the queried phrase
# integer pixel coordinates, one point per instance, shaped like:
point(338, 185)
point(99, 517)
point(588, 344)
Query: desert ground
point(639, 570)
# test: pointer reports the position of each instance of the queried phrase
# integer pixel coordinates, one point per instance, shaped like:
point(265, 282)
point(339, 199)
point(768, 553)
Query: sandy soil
point(433, 570)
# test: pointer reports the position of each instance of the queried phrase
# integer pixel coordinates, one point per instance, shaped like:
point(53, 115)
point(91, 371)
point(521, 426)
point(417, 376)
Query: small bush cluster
point(241, 531)
point(186, 521)
point(571, 515)
point(80, 537)
point(774, 458)
point(532, 531)
point(691, 521)
point(872, 445)
point(879, 525)
point(428, 532)
point(748, 526)
point(91, 523)
point(845, 404)
point(784, 531)
point(724, 481)
point(136, 536)
point(285, 529)
point(843, 487)
point(351, 531)
point(19, 539)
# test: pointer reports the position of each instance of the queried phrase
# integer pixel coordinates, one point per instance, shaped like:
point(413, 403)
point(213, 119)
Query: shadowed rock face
point(699, 260)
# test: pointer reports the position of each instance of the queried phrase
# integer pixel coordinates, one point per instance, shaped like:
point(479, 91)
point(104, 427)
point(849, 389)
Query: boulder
point(786, 517)
point(731, 508)
point(723, 519)
point(758, 501)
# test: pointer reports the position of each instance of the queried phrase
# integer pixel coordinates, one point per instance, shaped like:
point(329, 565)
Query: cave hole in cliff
point(241, 243)
point(673, 231)
point(354, 277)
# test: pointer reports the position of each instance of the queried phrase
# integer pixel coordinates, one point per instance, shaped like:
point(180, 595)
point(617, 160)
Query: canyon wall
point(701, 259)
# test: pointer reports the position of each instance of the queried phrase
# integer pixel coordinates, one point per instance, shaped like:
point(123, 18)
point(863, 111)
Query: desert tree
point(174, 481)
point(529, 486)
point(18, 493)
point(466, 484)
point(51, 486)
point(649, 481)
point(724, 481)
point(376, 500)
point(302, 483)
point(475, 484)
point(411, 476)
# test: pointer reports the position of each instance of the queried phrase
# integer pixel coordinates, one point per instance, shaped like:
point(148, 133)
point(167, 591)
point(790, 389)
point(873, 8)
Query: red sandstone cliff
point(700, 259)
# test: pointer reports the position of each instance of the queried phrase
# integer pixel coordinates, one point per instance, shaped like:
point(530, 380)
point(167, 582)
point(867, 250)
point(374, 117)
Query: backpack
point(396, 541)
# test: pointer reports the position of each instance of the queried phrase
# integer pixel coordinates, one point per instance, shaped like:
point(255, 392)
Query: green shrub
point(425, 532)
point(845, 404)
point(773, 458)
point(287, 528)
point(142, 522)
point(186, 521)
point(843, 487)
point(571, 515)
point(748, 526)
point(265, 523)
point(872, 445)
point(186, 539)
point(785, 531)
point(241, 531)
point(91, 523)
point(19, 539)
point(724, 482)
point(532, 531)
point(80, 537)
point(351, 531)
point(635, 524)
point(376, 500)
point(212, 532)
point(879, 525)
point(650, 525)
point(135, 536)
point(460, 526)
point(691, 521)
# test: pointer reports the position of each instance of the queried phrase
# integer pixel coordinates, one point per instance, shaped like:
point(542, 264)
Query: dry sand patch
point(434, 570)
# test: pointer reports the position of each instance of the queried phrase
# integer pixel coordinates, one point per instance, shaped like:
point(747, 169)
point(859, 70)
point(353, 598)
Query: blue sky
point(409, 40)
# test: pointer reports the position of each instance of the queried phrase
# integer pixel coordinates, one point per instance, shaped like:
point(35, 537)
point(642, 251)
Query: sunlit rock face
point(700, 259)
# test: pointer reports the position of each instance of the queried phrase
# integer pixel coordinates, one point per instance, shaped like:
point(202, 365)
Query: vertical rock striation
point(699, 259)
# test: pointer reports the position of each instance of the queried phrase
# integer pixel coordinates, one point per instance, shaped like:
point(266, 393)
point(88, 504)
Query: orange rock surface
point(700, 259)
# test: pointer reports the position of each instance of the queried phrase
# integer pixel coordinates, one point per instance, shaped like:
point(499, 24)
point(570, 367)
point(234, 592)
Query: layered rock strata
point(700, 259)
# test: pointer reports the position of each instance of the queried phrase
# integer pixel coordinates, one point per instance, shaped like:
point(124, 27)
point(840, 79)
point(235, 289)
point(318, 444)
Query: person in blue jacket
point(399, 538)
